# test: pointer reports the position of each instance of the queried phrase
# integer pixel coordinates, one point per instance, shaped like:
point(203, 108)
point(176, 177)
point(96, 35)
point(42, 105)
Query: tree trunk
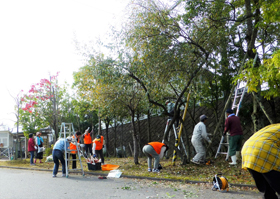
point(264, 111)
point(107, 137)
point(273, 108)
point(139, 135)
point(115, 142)
point(135, 141)
point(121, 137)
point(149, 126)
point(254, 115)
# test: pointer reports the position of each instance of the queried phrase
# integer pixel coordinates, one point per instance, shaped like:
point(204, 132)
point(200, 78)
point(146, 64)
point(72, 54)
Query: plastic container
point(96, 166)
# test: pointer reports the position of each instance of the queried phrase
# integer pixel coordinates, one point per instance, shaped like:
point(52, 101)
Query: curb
point(134, 177)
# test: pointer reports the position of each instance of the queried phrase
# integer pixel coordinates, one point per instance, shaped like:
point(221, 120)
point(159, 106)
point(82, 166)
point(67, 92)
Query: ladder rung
point(222, 153)
point(225, 143)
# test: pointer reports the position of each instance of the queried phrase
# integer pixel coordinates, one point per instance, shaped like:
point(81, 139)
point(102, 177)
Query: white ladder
point(67, 130)
point(239, 93)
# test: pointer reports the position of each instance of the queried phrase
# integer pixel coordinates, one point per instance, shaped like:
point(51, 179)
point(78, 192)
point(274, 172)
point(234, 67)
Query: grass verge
point(189, 172)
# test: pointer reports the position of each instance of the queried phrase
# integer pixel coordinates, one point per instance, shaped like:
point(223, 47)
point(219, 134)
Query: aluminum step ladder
point(175, 131)
point(239, 93)
point(67, 130)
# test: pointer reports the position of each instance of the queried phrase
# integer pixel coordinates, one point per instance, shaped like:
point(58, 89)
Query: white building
point(6, 142)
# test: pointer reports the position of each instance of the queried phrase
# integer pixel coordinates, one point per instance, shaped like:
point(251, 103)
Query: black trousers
point(88, 147)
point(267, 183)
point(74, 156)
point(99, 153)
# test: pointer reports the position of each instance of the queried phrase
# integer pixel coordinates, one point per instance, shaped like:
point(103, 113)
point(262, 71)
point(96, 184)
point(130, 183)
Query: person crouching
point(154, 150)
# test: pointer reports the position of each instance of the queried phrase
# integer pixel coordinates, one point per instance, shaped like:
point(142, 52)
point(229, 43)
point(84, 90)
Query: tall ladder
point(239, 93)
point(67, 130)
point(178, 136)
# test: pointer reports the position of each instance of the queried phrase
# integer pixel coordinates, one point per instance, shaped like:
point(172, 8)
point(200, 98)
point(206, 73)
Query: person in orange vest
point(76, 136)
point(154, 150)
point(88, 141)
point(97, 147)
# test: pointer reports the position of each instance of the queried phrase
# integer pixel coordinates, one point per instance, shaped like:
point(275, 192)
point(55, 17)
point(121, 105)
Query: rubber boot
point(233, 158)
point(35, 161)
point(40, 161)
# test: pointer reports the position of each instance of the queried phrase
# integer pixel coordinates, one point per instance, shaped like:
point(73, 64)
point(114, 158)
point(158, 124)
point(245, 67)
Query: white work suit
point(199, 133)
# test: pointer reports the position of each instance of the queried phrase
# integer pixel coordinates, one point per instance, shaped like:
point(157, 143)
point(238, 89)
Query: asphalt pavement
point(29, 184)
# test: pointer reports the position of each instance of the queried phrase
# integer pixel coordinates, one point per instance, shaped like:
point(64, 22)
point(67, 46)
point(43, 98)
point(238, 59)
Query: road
point(29, 184)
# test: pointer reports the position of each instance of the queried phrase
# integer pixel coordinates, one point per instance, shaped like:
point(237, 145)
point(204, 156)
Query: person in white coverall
point(200, 133)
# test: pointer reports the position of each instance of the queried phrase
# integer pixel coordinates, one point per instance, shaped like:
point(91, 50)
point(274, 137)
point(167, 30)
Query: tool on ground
point(66, 131)
point(102, 177)
point(220, 183)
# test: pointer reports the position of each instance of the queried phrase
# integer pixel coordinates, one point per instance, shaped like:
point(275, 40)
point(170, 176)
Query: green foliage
point(268, 72)
point(48, 151)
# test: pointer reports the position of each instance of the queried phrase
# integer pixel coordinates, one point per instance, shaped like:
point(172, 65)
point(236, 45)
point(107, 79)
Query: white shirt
point(200, 132)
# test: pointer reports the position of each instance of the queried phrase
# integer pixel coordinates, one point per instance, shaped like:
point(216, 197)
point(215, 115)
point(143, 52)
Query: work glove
point(94, 155)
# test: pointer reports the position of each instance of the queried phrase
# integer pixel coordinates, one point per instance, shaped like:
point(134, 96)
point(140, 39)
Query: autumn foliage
point(36, 104)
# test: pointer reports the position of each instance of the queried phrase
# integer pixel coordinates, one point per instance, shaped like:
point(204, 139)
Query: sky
point(37, 40)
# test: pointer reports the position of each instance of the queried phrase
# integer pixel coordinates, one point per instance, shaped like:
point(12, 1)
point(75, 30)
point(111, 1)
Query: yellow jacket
point(261, 151)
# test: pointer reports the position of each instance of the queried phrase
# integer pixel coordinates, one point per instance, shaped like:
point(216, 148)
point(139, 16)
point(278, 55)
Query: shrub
point(48, 151)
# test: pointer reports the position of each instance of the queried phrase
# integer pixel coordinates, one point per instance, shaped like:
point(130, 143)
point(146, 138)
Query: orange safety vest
point(73, 146)
point(99, 144)
point(87, 139)
point(157, 146)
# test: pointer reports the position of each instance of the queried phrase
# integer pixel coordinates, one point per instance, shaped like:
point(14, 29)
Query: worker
point(39, 143)
point(74, 149)
point(58, 150)
point(170, 109)
point(233, 126)
point(260, 156)
point(200, 134)
point(88, 142)
point(154, 150)
point(97, 148)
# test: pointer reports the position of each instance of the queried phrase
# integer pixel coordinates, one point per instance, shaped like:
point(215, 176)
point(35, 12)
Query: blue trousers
point(58, 155)
point(150, 152)
point(31, 157)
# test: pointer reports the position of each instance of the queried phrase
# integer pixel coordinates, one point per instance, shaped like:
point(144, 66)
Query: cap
point(167, 101)
point(229, 110)
point(98, 137)
point(203, 117)
point(37, 133)
point(30, 135)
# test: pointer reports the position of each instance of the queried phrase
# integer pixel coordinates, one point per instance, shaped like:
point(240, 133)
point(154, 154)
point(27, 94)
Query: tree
point(41, 106)
point(111, 91)
point(17, 114)
point(250, 27)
